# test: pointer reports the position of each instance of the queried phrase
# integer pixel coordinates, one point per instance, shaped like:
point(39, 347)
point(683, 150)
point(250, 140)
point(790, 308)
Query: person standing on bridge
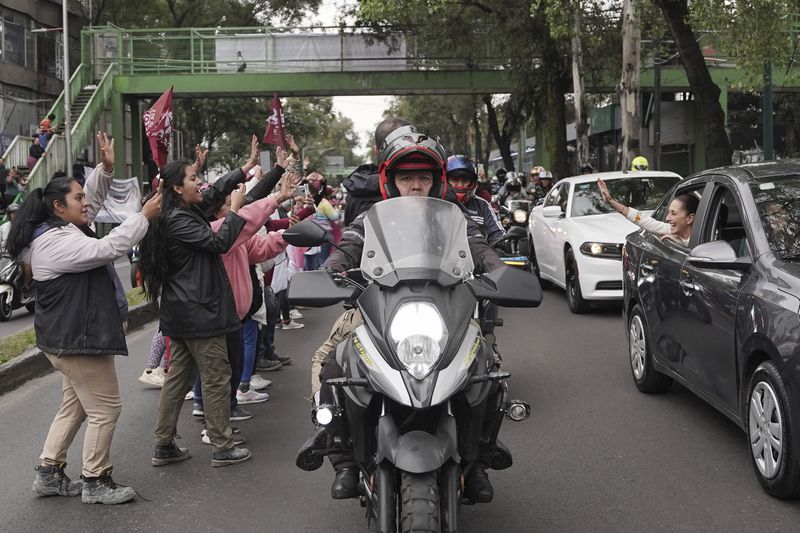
point(77, 321)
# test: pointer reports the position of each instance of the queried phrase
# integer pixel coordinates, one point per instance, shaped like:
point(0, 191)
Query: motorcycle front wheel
point(419, 507)
point(5, 308)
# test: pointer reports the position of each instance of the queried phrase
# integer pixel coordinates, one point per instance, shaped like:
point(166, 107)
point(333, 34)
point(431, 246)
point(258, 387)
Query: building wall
point(31, 64)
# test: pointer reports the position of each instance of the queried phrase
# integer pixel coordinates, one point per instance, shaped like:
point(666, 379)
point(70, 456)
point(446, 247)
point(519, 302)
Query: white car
point(577, 239)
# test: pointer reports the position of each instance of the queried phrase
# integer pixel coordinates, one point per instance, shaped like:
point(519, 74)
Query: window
point(724, 222)
point(14, 43)
point(778, 203)
point(558, 196)
point(640, 192)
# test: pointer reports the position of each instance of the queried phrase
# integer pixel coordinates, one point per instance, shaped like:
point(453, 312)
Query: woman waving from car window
point(680, 217)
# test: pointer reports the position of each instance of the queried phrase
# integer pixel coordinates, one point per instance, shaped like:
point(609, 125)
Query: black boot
point(102, 489)
point(306, 458)
point(345, 485)
point(52, 481)
point(478, 487)
point(171, 453)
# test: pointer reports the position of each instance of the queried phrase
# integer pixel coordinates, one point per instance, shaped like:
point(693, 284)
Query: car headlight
point(607, 250)
point(419, 334)
point(520, 216)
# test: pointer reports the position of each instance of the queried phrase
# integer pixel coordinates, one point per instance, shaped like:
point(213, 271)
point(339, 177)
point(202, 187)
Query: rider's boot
point(345, 485)
point(478, 488)
point(306, 458)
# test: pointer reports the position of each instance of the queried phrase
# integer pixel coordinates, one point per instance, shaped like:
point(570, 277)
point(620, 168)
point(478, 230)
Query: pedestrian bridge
point(120, 67)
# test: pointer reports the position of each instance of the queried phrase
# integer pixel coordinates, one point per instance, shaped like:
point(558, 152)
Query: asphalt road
point(596, 455)
point(21, 319)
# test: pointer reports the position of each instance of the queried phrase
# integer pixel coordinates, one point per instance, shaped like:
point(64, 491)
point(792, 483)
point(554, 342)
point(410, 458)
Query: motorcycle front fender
point(8, 290)
point(417, 451)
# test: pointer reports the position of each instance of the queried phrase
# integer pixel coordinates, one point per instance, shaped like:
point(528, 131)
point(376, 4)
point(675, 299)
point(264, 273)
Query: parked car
point(576, 238)
point(720, 316)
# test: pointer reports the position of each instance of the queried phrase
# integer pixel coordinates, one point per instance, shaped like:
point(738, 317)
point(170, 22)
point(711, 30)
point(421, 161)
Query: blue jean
point(249, 341)
point(312, 262)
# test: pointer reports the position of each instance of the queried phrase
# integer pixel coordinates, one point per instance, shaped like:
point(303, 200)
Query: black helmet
point(409, 148)
point(513, 184)
point(587, 168)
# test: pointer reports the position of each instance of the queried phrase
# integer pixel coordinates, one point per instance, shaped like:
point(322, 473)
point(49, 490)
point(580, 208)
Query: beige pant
point(342, 329)
point(90, 390)
point(209, 356)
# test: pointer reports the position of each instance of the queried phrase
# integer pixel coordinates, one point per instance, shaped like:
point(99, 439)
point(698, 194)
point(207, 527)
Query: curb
point(34, 363)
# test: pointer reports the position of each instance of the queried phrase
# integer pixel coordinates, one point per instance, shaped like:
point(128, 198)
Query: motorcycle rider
point(463, 179)
point(363, 189)
point(587, 168)
point(543, 187)
point(512, 190)
point(639, 163)
point(411, 164)
point(11, 211)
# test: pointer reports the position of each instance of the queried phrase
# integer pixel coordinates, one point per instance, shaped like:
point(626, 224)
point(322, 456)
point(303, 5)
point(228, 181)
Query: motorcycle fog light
point(418, 353)
point(520, 216)
point(324, 415)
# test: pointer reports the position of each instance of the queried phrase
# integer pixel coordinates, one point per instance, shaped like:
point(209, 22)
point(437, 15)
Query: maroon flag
point(158, 127)
point(276, 131)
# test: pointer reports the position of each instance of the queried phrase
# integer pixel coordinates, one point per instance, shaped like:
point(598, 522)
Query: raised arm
point(99, 181)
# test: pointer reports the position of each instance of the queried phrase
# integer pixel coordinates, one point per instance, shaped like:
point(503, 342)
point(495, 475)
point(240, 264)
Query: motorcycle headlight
point(419, 334)
point(520, 216)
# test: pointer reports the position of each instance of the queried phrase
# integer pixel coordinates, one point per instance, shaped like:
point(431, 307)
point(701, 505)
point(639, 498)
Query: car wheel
point(645, 376)
point(574, 296)
point(768, 423)
point(535, 268)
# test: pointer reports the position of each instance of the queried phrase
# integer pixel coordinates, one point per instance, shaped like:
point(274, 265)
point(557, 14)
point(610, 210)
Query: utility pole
point(67, 111)
point(657, 101)
point(766, 106)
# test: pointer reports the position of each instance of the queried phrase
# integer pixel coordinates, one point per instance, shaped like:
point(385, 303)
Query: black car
point(720, 316)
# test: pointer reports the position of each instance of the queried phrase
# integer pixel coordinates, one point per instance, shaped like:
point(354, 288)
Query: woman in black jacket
point(181, 263)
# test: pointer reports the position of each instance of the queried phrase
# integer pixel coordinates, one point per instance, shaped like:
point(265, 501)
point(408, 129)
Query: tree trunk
point(581, 107)
point(705, 91)
point(629, 84)
point(503, 139)
point(551, 113)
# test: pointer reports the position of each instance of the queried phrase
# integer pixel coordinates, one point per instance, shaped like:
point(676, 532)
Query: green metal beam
point(317, 83)
point(118, 132)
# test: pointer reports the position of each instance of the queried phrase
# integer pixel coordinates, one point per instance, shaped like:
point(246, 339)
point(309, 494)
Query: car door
point(709, 300)
point(659, 283)
point(548, 232)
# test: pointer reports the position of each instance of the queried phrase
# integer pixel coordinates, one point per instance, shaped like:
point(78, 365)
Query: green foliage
point(135, 297)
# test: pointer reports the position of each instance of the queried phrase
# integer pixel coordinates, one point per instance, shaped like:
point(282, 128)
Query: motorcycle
point(420, 396)
point(12, 294)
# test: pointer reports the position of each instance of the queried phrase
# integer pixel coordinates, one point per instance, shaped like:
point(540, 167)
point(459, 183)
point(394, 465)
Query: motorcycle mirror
point(508, 287)
point(305, 234)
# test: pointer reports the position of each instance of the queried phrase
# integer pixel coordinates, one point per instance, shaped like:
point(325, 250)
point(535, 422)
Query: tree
point(705, 91)
point(581, 103)
point(629, 84)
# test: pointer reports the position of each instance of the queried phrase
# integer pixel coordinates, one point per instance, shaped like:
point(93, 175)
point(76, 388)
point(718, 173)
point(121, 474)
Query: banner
point(275, 132)
point(158, 127)
point(123, 200)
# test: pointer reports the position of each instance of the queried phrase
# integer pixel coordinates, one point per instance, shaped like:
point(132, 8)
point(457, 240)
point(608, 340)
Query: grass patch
point(135, 297)
point(16, 344)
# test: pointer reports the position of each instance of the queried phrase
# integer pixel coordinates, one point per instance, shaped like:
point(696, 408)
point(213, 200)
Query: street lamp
point(67, 113)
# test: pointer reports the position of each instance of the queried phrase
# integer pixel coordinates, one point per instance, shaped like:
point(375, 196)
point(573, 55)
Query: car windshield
point(778, 204)
point(415, 238)
point(642, 193)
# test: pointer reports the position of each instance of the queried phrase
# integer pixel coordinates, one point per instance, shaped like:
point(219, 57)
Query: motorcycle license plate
point(520, 260)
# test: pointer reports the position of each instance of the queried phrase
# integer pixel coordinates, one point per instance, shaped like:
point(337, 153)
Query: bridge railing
point(278, 50)
point(16, 155)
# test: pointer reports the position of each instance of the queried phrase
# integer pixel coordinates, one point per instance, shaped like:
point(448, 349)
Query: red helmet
point(407, 148)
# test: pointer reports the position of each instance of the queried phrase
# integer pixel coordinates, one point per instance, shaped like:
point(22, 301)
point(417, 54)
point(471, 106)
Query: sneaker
point(240, 414)
point(230, 457)
point(153, 378)
point(238, 440)
point(259, 383)
point(171, 453)
point(103, 490)
point(292, 325)
point(294, 314)
point(286, 361)
point(52, 481)
point(251, 396)
point(197, 409)
point(189, 396)
point(267, 365)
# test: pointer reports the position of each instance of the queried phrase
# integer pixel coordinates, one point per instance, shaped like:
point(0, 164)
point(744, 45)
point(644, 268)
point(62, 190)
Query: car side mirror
point(552, 211)
point(305, 234)
point(718, 254)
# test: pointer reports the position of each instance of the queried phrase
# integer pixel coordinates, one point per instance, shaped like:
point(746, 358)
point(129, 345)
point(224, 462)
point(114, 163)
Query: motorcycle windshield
point(416, 238)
